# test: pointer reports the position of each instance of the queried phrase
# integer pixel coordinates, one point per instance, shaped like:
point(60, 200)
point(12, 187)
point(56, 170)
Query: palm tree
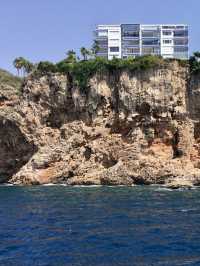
point(85, 53)
point(21, 63)
point(24, 65)
point(95, 47)
point(18, 64)
point(28, 66)
point(71, 56)
point(197, 54)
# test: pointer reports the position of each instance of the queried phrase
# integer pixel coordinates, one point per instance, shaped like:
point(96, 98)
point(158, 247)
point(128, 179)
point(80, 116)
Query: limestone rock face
point(123, 129)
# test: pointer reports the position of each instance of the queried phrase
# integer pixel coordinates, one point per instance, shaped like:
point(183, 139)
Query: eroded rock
point(133, 128)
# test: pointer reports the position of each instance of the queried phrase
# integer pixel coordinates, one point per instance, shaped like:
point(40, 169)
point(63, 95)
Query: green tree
point(18, 64)
point(95, 47)
point(23, 64)
point(197, 54)
point(85, 53)
point(71, 56)
point(46, 67)
point(195, 63)
point(28, 66)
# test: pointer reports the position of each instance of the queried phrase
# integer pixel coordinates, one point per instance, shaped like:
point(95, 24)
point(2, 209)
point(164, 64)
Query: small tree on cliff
point(95, 48)
point(28, 66)
point(195, 63)
point(23, 64)
point(197, 55)
point(71, 56)
point(18, 64)
point(84, 53)
point(46, 67)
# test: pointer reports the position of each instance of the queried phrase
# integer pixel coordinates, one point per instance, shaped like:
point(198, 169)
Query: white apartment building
point(109, 39)
point(131, 40)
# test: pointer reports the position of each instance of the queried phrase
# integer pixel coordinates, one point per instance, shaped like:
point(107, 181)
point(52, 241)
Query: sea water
point(99, 226)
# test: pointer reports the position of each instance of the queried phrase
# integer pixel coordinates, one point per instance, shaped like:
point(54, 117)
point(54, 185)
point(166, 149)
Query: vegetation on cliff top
point(82, 70)
point(7, 79)
point(195, 63)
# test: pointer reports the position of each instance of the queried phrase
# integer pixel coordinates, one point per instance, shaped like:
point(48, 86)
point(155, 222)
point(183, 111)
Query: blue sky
point(46, 29)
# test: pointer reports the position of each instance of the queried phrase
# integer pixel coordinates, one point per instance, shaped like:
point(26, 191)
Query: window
point(149, 33)
point(150, 50)
point(167, 41)
point(150, 42)
point(180, 49)
point(167, 33)
point(168, 27)
point(114, 40)
point(181, 41)
point(180, 33)
point(114, 31)
point(130, 34)
point(103, 50)
point(102, 33)
point(179, 27)
point(114, 49)
point(130, 30)
point(132, 50)
point(103, 43)
point(131, 43)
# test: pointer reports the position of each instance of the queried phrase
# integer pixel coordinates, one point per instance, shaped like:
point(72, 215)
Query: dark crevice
point(15, 150)
point(177, 153)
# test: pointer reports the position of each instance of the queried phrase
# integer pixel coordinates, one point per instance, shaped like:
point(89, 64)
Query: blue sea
point(99, 226)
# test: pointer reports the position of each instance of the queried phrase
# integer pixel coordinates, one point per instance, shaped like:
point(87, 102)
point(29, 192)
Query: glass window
point(103, 50)
point(180, 33)
point(181, 41)
point(179, 49)
point(114, 49)
point(179, 27)
point(130, 30)
point(168, 27)
point(167, 41)
point(150, 50)
point(181, 55)
point(150, 42)
point(148, 33)
point(132, 50)
point(103, 43)
point(167, 33)
point(130, 34)
point(114, 31)
point(131, 43)
point(102, 33)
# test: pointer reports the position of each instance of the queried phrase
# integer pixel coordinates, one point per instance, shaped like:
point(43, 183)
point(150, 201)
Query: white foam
point(6, 185)
point(87, 186)
point(187, 210)
point(50, 184)
point(164, 189)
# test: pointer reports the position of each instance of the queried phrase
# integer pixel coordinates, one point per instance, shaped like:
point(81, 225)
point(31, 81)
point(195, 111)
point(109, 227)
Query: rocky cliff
point(139, 127)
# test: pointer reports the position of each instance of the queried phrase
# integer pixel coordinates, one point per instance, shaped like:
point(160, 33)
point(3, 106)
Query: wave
point(6, 185)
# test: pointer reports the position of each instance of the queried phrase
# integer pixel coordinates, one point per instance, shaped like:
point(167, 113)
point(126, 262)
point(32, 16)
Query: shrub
point(195, 63)
point(82, 71)
point(46, 67)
